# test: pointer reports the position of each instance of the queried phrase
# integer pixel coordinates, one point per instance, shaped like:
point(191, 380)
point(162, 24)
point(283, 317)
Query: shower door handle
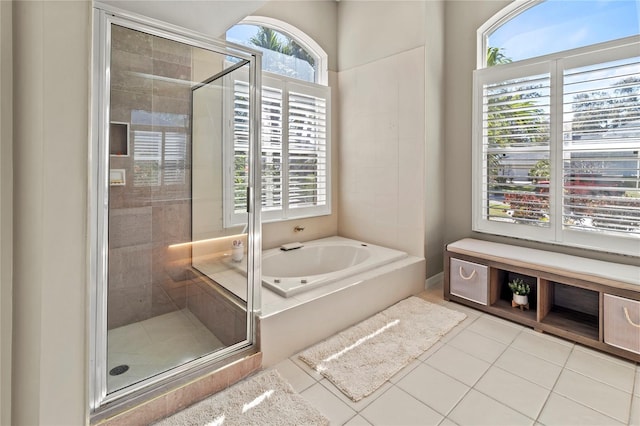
point(248, 198)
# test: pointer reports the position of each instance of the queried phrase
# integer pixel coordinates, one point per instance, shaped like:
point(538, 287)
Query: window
point(295, 141)
point(557, 143)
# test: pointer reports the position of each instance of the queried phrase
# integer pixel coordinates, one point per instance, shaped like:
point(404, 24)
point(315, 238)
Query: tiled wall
point(224, 318)
point(145, 279)
point(382, 134)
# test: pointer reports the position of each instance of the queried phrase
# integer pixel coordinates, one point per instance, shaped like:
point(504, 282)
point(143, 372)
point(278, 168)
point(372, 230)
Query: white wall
point(434, 133)
point(6, 206)
point(373, 30)
point(207, 17)
point(51, 133)
point(382, 61)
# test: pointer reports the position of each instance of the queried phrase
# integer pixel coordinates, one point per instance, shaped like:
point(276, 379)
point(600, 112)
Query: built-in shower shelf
point(118, 139)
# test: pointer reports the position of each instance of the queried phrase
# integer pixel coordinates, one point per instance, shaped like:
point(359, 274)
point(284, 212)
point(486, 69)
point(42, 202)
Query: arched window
point(296, 124)
point(286, 50)
point(531, 29)
point(557, 136)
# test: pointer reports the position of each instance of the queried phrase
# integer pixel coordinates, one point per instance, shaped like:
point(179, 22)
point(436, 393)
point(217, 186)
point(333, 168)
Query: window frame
point(555, 64)
point(319, 88)
point(306, 42)
point(285, 212)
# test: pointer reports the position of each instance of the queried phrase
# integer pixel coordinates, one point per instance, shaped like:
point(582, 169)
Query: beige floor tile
point(543, 346)
point(306, 368)
point(634, 419)
point(479, 410)
point(447, 422)
point(293, 374)
point(358, 421)
point(604, 368)
point(458, 364)
point(495, 329)
point(406, 370)
point(328, 404)
point(513, 391)
point(432, 350)
point(360, 405)
point(396, 407)
point(477, 345)
point(561, 411)
point(539, 371)
point(607, 400)
point(436, 389)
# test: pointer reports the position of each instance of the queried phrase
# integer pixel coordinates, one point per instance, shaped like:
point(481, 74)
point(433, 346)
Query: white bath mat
point(265, 399)
point(362, 358)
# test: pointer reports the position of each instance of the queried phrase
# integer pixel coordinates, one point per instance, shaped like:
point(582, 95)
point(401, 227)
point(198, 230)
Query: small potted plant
point(520, 291)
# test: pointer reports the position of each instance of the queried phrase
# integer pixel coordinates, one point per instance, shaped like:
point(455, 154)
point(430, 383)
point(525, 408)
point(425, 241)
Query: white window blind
point(516, 135)
point(294, 149)
point(307, 166)
point(557, 149)
point(272, 118)
point(601, 167)
point(240, 146)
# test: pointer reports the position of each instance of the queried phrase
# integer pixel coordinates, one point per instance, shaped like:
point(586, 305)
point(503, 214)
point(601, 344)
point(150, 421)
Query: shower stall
point(175, 230)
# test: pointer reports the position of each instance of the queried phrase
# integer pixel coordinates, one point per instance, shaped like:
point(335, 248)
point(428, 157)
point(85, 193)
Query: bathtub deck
point(288, 325)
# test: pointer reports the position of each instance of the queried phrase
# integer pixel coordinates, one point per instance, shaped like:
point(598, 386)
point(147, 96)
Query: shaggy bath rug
point(264, 399)
point(362, 358)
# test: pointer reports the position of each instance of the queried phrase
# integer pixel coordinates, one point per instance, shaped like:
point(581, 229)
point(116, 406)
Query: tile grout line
point(493, 364)
point(473, 387)
point(537, 419)
point(633, 389)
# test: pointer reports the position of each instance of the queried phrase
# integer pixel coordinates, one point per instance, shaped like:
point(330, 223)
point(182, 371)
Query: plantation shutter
point(307, 147)
point(272, 182)
point(305, 112)
point(557, 146)
point(271, 146)
point(516, 150)
point(240, 145)
point(601, 149)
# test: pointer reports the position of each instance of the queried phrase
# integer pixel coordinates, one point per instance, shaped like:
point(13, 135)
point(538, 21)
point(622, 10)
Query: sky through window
point(558, 25)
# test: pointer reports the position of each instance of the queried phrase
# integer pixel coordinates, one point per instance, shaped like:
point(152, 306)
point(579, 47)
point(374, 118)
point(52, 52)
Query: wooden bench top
point(607, 273)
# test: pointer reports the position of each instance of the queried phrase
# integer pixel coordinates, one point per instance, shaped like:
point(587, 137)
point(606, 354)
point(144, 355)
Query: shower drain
point(116, 371)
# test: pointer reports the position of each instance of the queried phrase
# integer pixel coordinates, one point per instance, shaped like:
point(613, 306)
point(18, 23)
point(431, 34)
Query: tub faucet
point(298, 228)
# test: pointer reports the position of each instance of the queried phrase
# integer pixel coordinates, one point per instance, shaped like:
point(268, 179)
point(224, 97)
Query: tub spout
point(298, 228)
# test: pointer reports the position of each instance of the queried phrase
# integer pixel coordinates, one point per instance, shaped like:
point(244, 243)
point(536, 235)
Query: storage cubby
point(572, 308)
point(591, 302)
point(501, 295)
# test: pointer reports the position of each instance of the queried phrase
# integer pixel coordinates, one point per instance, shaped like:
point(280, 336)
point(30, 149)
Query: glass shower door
point(177, 281)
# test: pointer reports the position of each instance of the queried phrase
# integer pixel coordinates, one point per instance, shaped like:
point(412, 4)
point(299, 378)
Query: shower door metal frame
point(98, 210)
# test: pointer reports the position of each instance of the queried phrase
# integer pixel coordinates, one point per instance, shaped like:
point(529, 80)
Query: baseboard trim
point(433, 280)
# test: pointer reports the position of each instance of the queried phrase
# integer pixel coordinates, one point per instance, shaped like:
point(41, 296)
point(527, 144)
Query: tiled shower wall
point(151, 211)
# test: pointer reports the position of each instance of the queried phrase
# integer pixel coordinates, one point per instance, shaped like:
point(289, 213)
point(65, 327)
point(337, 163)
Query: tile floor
point(155, 345)
point(488, 371)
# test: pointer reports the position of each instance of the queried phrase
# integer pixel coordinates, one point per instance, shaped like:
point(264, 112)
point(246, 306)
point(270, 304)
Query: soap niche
point(118, 139)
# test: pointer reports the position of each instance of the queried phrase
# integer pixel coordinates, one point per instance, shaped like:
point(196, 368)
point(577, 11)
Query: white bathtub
point(321, 262)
